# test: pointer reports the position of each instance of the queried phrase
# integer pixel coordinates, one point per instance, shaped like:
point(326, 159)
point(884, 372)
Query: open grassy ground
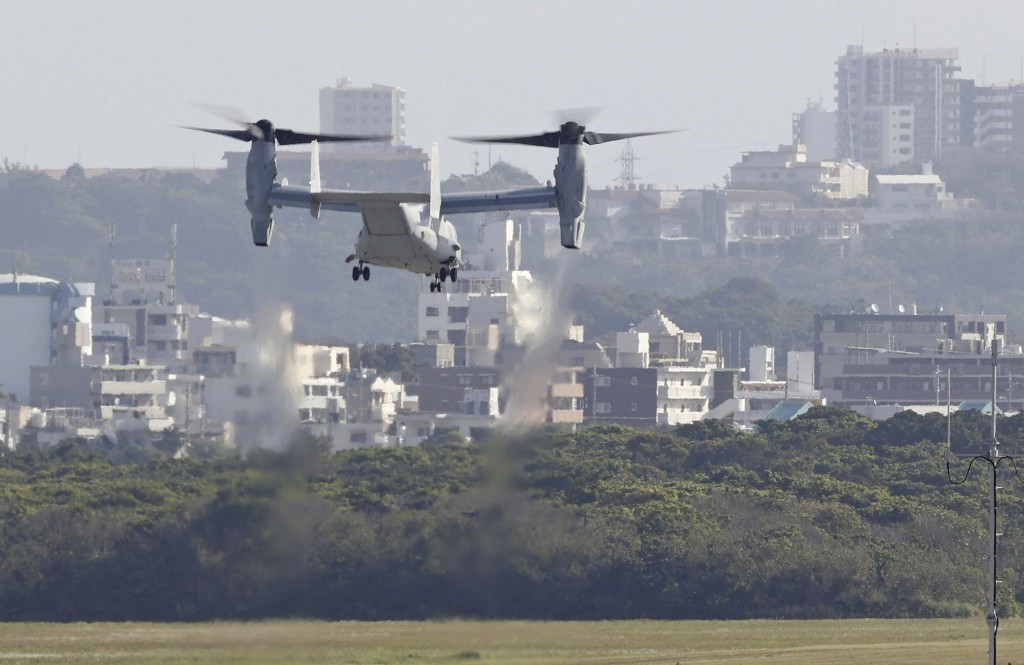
point(894, 642)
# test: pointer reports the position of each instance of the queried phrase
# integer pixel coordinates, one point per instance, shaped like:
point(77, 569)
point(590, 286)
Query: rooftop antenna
point(476, 162)
point(994, 458)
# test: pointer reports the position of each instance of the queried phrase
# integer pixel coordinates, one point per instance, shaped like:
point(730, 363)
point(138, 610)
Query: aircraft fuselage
point(420, 250)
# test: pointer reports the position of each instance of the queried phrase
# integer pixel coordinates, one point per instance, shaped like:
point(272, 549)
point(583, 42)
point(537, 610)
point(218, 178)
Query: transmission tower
point(627, 176)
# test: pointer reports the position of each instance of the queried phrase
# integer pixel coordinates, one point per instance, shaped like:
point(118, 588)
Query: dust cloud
point(543, 316)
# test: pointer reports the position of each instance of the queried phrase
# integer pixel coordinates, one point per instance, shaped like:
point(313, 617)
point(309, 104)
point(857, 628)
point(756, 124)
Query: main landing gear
point(360, 270)
point(443, 274)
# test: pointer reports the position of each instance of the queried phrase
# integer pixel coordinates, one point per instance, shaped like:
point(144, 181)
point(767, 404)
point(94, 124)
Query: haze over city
point(105, 85)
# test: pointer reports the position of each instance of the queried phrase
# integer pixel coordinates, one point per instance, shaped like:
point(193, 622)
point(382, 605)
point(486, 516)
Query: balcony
point(681, 392)
point(567, 390)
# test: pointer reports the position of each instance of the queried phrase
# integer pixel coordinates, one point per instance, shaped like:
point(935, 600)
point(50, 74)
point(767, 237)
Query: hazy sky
point(105, 83)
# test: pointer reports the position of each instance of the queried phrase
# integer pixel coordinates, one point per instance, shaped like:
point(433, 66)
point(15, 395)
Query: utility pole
point(994, 458)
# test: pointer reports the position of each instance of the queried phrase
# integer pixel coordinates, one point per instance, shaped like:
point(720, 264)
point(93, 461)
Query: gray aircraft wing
point(339, 200)
point(513, 199)
point(451, 204)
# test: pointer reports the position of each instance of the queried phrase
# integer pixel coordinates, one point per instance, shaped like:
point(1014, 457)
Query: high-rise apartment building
point(988, 114)
point(899, 105)
point(371, 111)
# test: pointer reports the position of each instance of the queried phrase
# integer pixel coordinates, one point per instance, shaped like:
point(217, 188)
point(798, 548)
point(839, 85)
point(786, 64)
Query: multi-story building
point(903, 198)
point(789, 169)
point(910, 358)
point(992, 116)
point(476, 313)
point(376, 110)
point(815, 128)
point(683, 371)
point(42, 322)
point(133, 399)
point(762, 232)
point(897, 105)
point(142, 299)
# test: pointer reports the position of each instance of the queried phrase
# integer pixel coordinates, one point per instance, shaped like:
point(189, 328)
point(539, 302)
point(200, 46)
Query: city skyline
point(106, 86)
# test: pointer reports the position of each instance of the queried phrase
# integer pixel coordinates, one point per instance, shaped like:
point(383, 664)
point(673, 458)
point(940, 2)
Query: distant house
point(788, 169)
point(903, 198)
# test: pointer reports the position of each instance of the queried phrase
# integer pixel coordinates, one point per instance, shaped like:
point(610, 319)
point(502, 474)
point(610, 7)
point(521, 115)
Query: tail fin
point(435, 188)
point(314, 177)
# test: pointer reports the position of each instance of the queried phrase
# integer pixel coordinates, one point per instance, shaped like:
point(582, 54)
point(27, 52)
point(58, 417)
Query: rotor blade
point(229, 113)
point(582, 115)
point(240, 134)
point(546, 140)
point(288, 137)
point(594, 138)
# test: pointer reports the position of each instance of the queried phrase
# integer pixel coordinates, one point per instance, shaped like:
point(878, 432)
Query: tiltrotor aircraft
point(392, 234)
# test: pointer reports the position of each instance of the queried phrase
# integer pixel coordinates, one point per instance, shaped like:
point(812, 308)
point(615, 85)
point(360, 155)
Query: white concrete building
point(475, 313)
point(789, 169)
point(143, 298)
point(901, 104)
point(683, 385)
point(42, 322)
point(684, 393)
point(375, 110)
point(902, 198)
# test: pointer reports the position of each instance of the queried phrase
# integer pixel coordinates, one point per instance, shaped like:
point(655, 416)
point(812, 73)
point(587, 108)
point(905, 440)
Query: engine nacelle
point(572, 230)
point(260, 174)
point(571, 183)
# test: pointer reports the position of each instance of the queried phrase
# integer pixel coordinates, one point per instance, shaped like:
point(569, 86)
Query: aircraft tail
point(314, 178)
point(435, 189)
point(314, 167)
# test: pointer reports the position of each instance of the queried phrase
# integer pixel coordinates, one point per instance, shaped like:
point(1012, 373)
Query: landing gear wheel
point(442, 274)
point(454, 274)
point(366, 273)
point(433, 287)
point(356, 272)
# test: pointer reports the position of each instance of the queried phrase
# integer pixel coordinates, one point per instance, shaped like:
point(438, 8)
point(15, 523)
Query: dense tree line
point(830, 515)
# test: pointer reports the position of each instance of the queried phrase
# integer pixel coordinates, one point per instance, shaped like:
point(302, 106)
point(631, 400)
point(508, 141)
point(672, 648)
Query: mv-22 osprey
point(393, 235)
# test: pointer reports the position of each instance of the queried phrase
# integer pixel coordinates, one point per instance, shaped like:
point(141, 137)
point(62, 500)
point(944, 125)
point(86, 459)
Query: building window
point(432, 311)
point(243, 391)
point(632, 407)
point(603, 407)
point(603, 381)
point(358, 437)
point(432, 334)
point(632, 381)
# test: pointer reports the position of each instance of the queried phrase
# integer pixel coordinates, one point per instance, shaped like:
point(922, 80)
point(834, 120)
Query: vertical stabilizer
point(314, 177)
point(314, 167)
point(435, 188)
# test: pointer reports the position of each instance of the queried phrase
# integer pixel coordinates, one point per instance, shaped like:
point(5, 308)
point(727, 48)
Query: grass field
point(894, 642)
